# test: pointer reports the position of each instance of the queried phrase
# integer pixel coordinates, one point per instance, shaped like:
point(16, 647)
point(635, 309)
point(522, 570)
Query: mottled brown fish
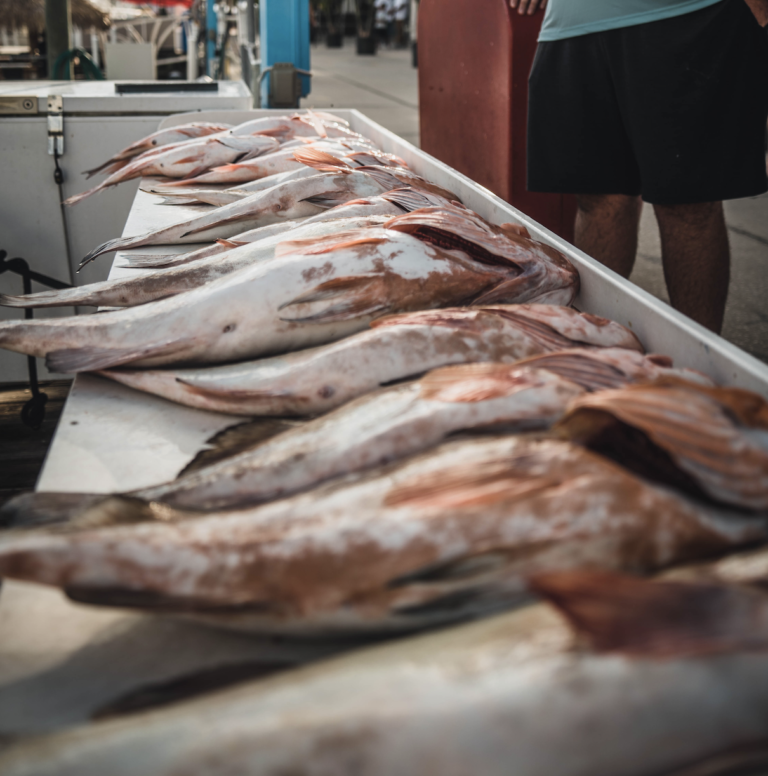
point(511, 693)
point(712, 442)
point(440, 537)
point(397, 347)
point(313, 293)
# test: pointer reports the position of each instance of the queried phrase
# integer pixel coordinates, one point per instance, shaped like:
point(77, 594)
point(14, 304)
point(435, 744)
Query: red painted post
point(474, 61)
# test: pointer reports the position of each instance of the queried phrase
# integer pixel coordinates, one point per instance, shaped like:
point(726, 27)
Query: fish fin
point(107, 168)
point(315, 246)
point(110, 245)
point(466, 383)
point(581, 367)
point(386, 180)
point(315, 122)
point(407, 199)
point(618, 613)
point(327, 199)
point(340, 299)
point(199, 170)
point(237, 439)
point(90, 359)
point(510, 292)
point(320, 160)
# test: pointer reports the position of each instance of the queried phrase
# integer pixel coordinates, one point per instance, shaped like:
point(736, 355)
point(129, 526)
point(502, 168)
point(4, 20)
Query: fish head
point(526, 270)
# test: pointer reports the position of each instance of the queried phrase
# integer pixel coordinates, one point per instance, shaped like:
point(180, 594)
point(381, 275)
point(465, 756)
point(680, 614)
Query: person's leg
point(696, 259)
point(606, 229)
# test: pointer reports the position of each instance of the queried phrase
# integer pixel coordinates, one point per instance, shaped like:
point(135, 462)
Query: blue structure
point(210, 36)
point(284, 34)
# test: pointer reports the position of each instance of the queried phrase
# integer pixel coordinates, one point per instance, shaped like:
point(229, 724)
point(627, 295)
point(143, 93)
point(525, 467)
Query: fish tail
point(114, 245)
point(75, 198)
point(58, 298)
point(108, 168)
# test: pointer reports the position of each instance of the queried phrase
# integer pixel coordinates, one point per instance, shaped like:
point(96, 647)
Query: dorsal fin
point(320, 160)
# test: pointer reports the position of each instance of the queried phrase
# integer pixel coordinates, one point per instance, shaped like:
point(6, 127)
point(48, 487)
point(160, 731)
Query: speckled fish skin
point(129, 292)
point(467, 700)
point(443, 536)
point(182, 160)
point(390, 204)
point(306, 298)
point(716, 438)
point(280, 203)
point(374, 429)
point(279, 160)
point(160, 138)
point(320, 379)
point(166, 260)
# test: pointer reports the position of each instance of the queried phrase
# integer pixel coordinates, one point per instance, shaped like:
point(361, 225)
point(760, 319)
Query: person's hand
point(528, 6)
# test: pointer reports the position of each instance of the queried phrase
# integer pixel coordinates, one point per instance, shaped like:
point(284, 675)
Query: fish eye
point(229, 327)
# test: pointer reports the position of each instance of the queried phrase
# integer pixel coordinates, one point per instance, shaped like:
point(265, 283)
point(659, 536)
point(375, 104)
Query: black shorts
point(674, 110)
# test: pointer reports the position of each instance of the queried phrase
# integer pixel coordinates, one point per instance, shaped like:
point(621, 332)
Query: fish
point(531, 687)
point(285, 160)
point(390, 204)
point(129, 292)
point(374, 429)
point(712, 442)
point(450, 534)
point(290, 200)
point(165, 260)
point(157, 139)
point(183, 160)
point(392, 423)
point(313, 294)
point(397, 347)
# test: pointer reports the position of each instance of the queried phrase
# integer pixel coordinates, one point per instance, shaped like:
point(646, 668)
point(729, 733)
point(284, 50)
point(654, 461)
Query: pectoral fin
point(90, 359)
point(340, 299)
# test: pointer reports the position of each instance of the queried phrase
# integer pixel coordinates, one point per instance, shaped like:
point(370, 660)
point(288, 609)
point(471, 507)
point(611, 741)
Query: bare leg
point(606, 229)
point(696, 259)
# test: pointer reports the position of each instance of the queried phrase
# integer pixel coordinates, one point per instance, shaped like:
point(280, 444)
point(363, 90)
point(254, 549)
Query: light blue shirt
point(569, 18)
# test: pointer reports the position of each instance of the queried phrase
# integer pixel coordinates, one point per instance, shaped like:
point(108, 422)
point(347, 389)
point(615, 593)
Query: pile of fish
point(438, 437)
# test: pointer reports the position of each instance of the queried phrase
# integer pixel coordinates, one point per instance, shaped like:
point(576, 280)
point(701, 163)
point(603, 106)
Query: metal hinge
point(55, 125)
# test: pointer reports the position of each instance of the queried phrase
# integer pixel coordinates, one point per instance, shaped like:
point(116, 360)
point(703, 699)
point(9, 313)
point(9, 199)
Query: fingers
point(527, 6)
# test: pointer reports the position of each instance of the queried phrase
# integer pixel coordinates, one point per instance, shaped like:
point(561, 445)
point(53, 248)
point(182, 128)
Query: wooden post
point(58, 35)
point(474, 61)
